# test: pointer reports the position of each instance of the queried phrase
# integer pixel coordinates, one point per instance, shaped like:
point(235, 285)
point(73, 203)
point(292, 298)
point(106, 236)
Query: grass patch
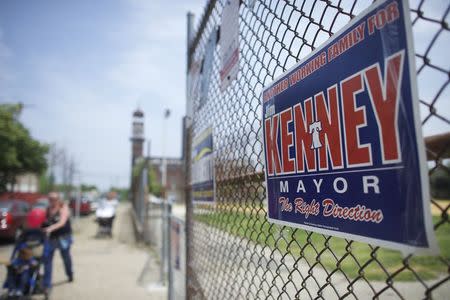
point(353, 258)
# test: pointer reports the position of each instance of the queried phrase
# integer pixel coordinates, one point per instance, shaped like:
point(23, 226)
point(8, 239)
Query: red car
point(85, 206)
point(13, 217)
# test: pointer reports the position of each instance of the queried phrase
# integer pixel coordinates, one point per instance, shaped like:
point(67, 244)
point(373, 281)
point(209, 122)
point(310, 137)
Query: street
point(103, 268)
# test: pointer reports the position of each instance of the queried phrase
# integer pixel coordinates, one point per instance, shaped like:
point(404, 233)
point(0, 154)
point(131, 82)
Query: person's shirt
point(107, 208)
point(65, 229)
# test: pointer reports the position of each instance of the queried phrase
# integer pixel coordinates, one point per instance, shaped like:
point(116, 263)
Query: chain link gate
point(232, 250)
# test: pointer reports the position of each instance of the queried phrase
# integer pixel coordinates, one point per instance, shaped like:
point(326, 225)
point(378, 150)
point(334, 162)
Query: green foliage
point(153, 185)
point(88, 187)
point(122, 193)
point(44, 183)
point(63, 187)
point(333, 250)
point(20, 152)
point(137, 168)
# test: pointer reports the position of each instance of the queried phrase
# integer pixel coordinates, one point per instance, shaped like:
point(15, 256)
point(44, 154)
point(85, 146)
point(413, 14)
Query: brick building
point(175, 176)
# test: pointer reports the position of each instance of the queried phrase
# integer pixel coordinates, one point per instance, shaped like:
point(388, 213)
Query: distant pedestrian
point(59, 231)
point(106, 212)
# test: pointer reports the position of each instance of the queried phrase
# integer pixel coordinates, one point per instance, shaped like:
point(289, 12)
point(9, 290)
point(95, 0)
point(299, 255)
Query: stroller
point(104, 217)
point(33, 240)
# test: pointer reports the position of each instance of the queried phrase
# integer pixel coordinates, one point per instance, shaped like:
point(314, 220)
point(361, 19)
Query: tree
point(45, 184)
point(122, 193)
point(154, 187)
point(20, 153)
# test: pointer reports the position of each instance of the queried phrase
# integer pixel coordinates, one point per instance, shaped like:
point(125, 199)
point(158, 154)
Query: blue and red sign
point(343, 144)
point(202, 168)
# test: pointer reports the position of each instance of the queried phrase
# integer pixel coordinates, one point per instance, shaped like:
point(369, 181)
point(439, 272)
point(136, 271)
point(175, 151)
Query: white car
point(94, 204)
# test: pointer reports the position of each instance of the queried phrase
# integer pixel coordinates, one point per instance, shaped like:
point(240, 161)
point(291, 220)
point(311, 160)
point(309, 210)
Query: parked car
point(13, 216)
point(85, 206)
point(94, 204)
point(41, 203)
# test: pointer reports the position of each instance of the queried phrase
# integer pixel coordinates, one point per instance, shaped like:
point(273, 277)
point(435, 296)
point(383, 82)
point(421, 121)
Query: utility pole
point(164, 161)
point(70, 175)
point(64, 172)
point(78, 199)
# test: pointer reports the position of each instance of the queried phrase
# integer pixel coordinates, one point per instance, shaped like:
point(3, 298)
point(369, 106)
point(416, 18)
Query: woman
point(59, 231)
point(106, 212)
point(112, 202)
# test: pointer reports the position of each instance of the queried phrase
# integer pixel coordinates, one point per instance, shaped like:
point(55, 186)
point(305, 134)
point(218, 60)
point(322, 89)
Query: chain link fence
point(232, 250)
point(139, 196)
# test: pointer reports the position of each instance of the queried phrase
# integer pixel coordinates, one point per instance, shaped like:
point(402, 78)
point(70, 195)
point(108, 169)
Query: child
point(19, 271)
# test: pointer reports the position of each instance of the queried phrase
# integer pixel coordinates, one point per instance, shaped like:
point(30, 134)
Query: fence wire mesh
point(233, 252)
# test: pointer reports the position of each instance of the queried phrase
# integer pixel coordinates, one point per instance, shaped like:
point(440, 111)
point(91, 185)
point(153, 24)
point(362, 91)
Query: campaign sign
point(203, 167)
point(229, 43)
point(206, 68)
point(343, 145)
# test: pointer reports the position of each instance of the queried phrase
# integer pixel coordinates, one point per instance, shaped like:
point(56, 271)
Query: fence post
point(187, 156)
point(169, 248)
point(163, 244)
point(145, 205)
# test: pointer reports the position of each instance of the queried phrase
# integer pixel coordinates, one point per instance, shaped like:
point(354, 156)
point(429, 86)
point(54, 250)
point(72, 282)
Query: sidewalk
point(106, 268)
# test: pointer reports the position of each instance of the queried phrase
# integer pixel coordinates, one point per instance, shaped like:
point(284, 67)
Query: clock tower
point(137, 136)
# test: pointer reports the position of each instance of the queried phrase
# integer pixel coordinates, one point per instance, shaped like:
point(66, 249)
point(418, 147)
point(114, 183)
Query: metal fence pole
point(163, 244)
point(187, 157)
point(145, 205)
point(187, 227)
point(169, 250)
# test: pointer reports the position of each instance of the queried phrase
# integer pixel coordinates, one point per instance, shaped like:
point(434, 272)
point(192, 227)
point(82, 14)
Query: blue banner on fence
point(206, 69)
point(203, 167)
point(343, 145)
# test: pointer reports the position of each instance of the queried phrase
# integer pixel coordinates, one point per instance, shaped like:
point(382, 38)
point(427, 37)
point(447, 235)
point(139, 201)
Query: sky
point(82, 67)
